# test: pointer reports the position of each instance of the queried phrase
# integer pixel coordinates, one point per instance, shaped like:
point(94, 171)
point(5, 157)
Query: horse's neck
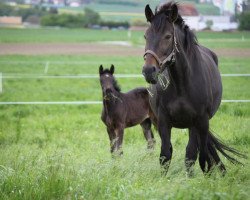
point(180, 73)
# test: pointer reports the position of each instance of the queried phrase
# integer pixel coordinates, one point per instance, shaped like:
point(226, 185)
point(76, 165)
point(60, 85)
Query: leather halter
point(170, 57)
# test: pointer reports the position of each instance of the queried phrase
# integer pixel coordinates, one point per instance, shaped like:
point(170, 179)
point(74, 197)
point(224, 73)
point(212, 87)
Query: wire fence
point(87, 102)
point(88, 76)
point(79, 76)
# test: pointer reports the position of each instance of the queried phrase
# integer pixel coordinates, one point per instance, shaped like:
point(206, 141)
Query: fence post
point(1, 82)
point(46, 68)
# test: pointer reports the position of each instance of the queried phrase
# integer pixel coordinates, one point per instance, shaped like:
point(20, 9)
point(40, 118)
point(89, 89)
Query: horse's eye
point(145, 37)
point(168, 36)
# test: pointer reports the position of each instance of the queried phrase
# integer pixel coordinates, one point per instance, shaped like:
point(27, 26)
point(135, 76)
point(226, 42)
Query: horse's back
point(210, 53)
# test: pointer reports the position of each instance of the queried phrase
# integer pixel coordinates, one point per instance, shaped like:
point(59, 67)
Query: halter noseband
point(170, 57)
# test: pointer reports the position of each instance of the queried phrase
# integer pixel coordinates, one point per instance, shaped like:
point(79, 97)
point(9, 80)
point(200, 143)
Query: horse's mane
point(190, 38)
point(115, 83)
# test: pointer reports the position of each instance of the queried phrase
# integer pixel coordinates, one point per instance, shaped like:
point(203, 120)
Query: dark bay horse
point(186, 88)
point(122, 110)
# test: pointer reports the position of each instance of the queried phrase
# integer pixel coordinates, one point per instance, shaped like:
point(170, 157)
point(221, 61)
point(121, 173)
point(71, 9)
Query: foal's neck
point(112, 100)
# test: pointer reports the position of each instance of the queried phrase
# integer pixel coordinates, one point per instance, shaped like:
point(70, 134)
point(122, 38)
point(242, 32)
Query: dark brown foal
point(122, 110)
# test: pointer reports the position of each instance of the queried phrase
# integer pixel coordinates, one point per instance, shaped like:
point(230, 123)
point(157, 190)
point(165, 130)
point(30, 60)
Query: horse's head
point(107, 80)
point(160, 40)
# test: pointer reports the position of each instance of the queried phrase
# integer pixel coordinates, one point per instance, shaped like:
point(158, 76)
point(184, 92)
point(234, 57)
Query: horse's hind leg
point(191, 151)
point(202, 127)
point(148, 134)
point(215, 155)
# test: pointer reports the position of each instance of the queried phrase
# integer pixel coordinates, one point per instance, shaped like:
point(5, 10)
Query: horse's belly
point(181, 114)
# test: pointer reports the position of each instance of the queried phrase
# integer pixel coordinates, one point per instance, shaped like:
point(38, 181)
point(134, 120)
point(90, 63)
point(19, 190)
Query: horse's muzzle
point(150, 74)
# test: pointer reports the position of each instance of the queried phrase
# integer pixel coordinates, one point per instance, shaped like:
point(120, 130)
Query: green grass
point(59, 35)
point(79, 89)
point(63, 35)
point(62, 151)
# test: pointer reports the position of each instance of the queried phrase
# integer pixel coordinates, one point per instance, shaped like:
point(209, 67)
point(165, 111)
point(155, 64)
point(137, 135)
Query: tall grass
point(62, 151)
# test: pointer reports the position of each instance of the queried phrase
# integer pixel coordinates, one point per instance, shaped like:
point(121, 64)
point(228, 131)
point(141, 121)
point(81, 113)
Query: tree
point(244, 20)
point(91, 17)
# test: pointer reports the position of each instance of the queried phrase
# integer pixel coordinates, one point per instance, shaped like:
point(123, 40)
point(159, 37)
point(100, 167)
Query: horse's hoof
point(164, 164)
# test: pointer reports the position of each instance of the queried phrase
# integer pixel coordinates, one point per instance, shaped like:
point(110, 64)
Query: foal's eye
point(145, 37)
point(168, 36)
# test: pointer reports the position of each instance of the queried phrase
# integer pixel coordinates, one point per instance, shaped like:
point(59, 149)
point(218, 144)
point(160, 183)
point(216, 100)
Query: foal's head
point(107, 81)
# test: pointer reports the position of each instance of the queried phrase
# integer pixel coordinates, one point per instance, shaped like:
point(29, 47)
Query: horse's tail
point(224, 149)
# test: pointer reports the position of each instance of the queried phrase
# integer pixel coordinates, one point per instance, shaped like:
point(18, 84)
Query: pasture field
point(62, 151)
point(135, 10)
point(63, 35)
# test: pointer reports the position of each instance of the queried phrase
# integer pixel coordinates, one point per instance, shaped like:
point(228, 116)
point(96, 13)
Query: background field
point(62, 151)
point(135, 10)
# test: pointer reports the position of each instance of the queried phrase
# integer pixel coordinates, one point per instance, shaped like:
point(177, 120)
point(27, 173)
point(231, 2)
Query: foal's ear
point(100, 69)
point(112, 69)
point(173, 15)
point(148, 13)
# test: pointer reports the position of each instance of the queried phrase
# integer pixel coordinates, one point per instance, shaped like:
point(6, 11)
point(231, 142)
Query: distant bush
point(6, 10)
point(139, 22)
point(118, 2)
point(91, 17)
point(114, 24)
point(244, 20)
point(87, 19)
point(63, 20)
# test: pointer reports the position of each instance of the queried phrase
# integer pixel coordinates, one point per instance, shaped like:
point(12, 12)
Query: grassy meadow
point(62, 151)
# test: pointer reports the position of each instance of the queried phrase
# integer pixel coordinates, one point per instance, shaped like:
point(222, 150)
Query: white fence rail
point(84, 76)
point(88, 76)
point(87, 102)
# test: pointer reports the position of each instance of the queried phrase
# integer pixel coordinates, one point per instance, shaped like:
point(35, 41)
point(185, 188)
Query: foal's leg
point(148, 134)
point(191, 150)
point(118, 140)
point(112, 137)
point(166, 147)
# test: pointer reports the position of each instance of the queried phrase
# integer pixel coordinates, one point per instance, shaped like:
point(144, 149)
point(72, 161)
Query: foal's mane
point(114, 81)
point(191, 41)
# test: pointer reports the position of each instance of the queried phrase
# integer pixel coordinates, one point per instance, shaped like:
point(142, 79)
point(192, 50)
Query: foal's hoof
point(151, 145)
point(117, 154)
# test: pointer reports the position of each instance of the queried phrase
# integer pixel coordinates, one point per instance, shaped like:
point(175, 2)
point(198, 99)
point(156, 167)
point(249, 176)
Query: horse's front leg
point(191, 150)
point(166, 146)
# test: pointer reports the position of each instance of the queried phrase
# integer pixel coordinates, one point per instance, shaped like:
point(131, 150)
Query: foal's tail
point(224, 149)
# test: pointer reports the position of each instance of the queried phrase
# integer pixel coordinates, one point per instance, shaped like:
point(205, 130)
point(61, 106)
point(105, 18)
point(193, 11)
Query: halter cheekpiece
point(169, 58)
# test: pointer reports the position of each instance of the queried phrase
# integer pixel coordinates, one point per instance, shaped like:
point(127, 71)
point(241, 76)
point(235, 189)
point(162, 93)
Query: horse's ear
point(174, 13)
point(148, 13)
point(112, 69)
point(100, 69)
